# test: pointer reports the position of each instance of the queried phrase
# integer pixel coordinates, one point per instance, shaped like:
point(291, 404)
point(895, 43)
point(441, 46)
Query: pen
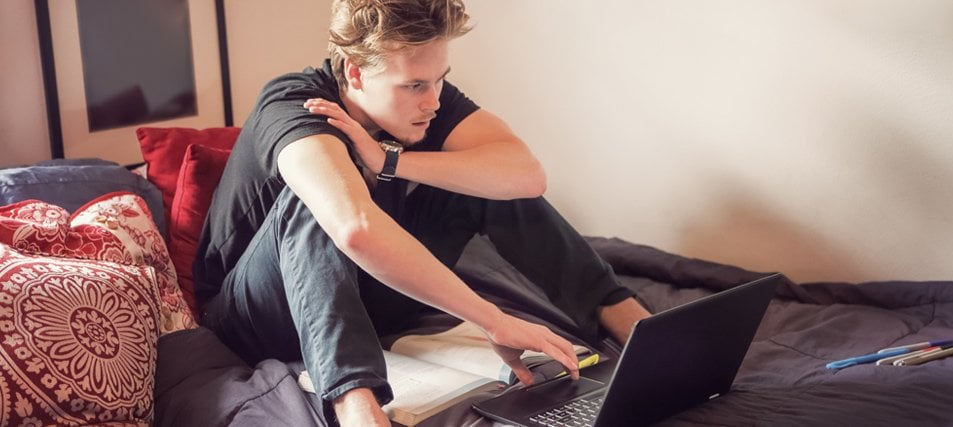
point(584, 363)
point(891, 359)
point(925, 357)
point(867, 358)
point(919, 345)
point(902, 359)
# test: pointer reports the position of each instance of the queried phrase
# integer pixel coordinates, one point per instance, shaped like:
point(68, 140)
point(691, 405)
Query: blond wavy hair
point(366, 31)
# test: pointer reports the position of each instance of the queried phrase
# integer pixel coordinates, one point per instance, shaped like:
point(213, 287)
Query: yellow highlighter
point(589, 361)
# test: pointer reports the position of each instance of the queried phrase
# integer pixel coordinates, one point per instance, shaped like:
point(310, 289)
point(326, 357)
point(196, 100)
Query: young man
point(351, 191)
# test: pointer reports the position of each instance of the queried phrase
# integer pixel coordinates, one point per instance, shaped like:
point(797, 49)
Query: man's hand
point(368, 150)
point(510, 336)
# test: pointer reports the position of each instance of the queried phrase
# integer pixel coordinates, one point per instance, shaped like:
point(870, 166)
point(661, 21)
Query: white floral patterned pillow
point(77, 341)
point(83, 300)
point(115, 227)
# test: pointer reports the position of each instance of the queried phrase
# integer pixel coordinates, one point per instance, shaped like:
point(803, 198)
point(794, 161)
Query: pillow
point(115, 227)
point(71, 183)
point(164, 148)
point(201, 170)
point(83, 300)
point(78, 341)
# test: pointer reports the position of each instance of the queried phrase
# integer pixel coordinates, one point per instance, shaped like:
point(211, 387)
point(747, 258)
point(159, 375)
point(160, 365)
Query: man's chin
point(410, 141)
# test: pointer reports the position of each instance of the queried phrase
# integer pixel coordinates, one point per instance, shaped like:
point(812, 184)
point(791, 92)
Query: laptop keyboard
point(581, 412)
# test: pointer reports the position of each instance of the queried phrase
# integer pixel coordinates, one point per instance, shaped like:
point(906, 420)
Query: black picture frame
point(69, 124)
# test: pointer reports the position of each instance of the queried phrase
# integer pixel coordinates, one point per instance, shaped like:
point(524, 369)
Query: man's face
point(403, 96)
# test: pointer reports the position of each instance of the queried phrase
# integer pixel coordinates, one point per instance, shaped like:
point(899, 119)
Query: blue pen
point(867, 358)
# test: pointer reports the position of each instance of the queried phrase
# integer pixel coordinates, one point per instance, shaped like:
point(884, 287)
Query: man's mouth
point(423, 123)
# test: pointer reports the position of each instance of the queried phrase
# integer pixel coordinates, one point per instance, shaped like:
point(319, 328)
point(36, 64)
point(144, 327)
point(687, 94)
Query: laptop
point(673, 360)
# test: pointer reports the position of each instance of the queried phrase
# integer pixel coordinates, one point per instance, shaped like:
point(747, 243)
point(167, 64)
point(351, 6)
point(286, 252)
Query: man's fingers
point(561, 350)
point(525, 335)
point(565, 355)
point(340, 124)
point(316, 101)
point(522, 372)
point(330, 109)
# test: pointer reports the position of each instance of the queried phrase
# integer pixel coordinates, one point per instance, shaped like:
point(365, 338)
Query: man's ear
point(353, 74)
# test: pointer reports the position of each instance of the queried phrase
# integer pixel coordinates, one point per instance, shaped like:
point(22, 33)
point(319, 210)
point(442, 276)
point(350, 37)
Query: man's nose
point(431, 100)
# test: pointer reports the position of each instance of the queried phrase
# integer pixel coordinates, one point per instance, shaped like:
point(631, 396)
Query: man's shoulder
point(308, 81)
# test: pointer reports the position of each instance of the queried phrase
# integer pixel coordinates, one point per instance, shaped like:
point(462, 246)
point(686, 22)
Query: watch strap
point(389, 171)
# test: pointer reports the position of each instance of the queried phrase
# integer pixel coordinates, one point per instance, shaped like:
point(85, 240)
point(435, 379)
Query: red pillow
point(115, 227)
point(80, 315)
point(79, 344)
point(201, 170)
point(83, 301)
point(164, 148)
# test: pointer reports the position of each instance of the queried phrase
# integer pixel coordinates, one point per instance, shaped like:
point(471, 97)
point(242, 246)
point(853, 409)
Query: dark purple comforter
point(783, 380)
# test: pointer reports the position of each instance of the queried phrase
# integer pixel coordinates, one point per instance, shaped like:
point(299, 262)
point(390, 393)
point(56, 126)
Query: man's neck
point(354, 110)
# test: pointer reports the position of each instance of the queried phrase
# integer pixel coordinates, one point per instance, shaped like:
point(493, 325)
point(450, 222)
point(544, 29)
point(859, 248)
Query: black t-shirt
point(251, 182)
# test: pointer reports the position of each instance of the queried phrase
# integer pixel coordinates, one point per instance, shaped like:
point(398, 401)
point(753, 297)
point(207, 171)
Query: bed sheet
point(783, 380)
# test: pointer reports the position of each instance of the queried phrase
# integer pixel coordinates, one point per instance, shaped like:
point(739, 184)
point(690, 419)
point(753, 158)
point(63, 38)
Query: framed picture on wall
point(111, 66)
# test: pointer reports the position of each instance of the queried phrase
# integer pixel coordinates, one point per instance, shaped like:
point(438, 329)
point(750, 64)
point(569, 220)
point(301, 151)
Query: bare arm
point(319, 171)
point(482, 157)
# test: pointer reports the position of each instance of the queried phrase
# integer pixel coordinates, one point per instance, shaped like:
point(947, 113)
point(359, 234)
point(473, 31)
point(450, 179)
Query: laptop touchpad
point(563, 390)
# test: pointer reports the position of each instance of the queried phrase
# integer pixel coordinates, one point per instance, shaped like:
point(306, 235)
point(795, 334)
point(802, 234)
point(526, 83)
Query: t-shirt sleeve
point(280, 117)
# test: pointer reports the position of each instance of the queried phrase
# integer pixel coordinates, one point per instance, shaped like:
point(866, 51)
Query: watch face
point(388, 145)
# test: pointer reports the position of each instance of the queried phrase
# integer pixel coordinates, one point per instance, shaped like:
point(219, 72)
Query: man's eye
point(417, 87)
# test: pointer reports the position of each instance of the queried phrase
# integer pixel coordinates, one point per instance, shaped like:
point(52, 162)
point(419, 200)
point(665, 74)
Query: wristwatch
point(392, 150)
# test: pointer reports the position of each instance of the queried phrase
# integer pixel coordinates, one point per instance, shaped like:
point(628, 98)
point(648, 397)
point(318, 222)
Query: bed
point(197, 381)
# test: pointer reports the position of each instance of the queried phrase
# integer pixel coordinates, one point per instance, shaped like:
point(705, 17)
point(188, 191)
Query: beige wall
point(811, 137)
point(806, 137)
point(268, 38)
